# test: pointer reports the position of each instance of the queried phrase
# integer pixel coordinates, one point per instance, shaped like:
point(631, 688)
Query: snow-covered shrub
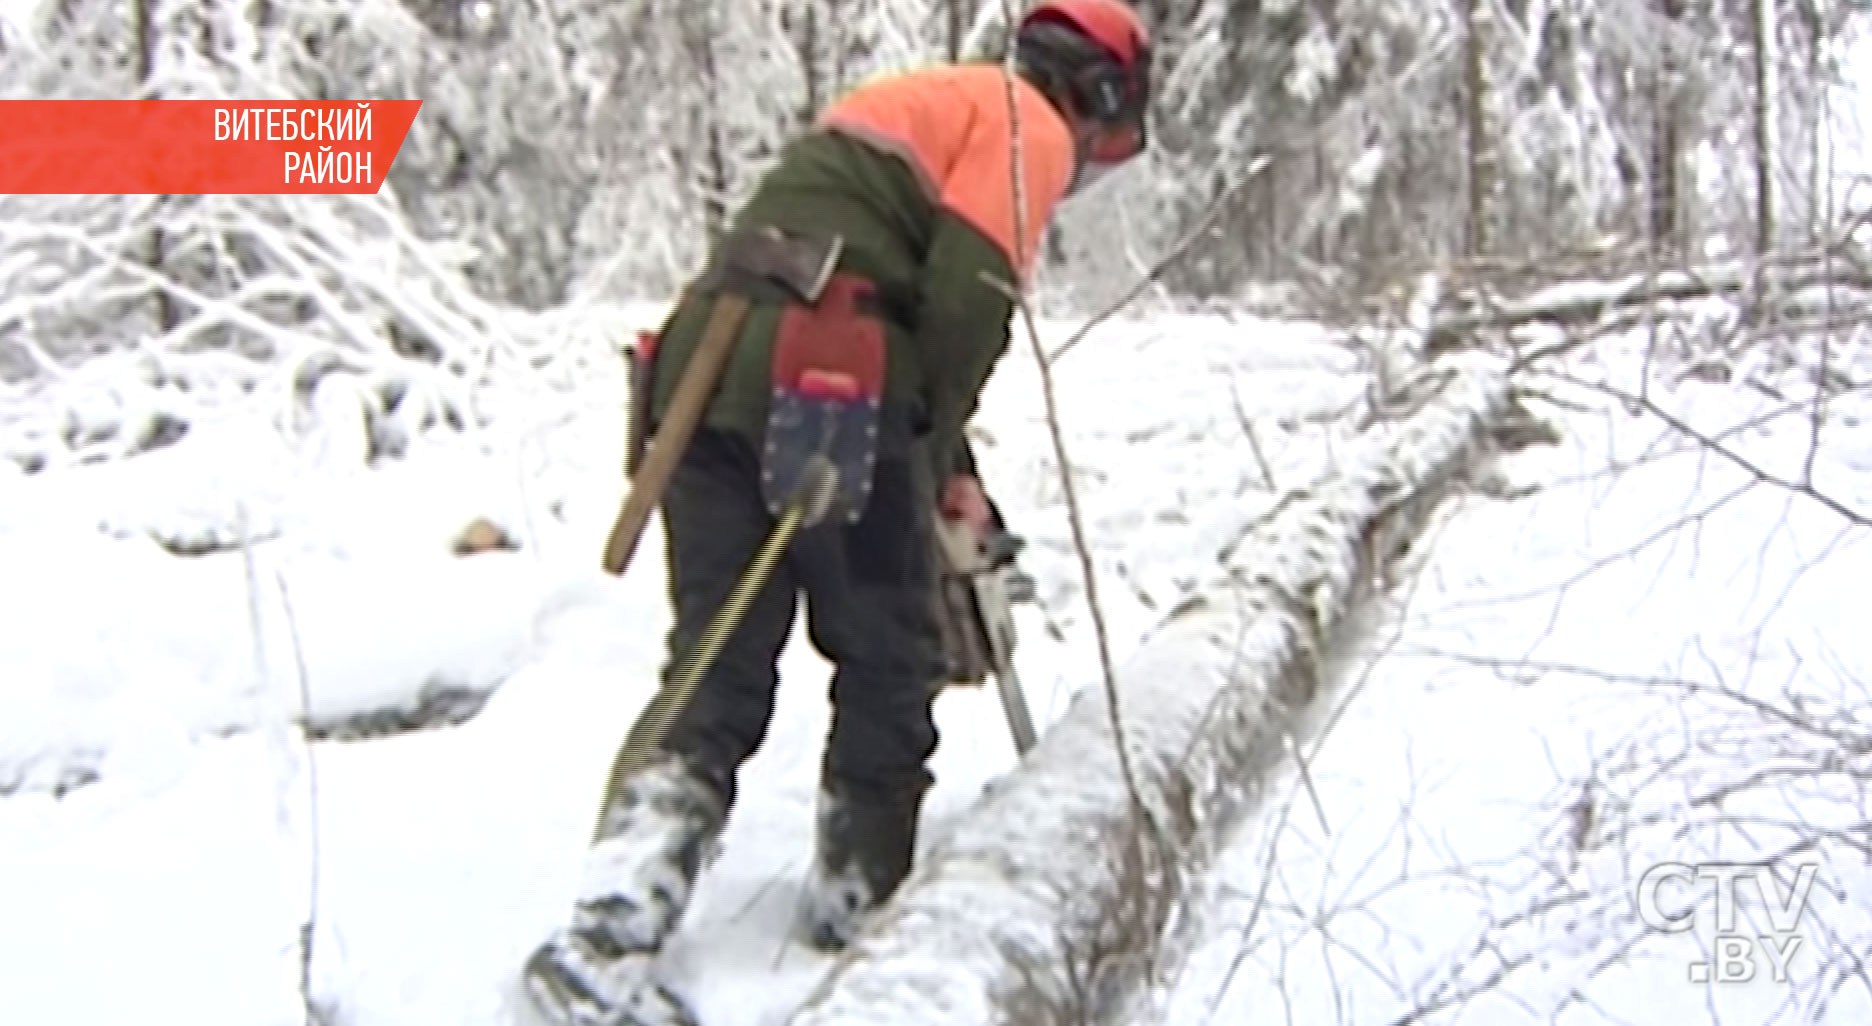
point(123, 317)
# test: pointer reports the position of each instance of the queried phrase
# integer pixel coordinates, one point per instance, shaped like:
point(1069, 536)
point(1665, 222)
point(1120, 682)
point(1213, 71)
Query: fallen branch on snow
point(1586, 302)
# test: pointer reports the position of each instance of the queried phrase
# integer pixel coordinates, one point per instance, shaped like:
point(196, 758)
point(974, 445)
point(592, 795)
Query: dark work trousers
point(868, 600)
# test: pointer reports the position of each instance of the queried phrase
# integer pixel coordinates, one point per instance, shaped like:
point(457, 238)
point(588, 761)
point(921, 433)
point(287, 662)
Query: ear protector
point(1105, 89)
point(1103, 92)
point(1114, 100)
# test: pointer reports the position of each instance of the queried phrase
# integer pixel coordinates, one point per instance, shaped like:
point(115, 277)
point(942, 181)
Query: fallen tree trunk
point(1588, 301)
point(1052, 894)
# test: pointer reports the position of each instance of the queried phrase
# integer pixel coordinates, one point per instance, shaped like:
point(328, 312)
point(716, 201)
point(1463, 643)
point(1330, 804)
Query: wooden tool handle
point(693, 393)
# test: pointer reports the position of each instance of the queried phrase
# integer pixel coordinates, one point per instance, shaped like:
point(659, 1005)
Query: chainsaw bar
point(975, 597)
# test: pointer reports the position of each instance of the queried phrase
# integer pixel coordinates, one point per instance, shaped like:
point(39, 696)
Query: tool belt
point(827, 369)
point(747, 262)
point(752, 264)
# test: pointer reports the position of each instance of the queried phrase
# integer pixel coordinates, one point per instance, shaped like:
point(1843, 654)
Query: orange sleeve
point(980, 186)
point(953, 128)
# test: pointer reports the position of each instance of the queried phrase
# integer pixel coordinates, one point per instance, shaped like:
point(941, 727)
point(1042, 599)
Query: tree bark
point(1763, 24)
point(1667, 141)
point(1482, 164)
point(811, 69)
point(959, 13)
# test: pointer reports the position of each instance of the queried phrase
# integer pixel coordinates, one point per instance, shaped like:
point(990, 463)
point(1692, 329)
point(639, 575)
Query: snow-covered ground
point(159, 824)
point(165, 836)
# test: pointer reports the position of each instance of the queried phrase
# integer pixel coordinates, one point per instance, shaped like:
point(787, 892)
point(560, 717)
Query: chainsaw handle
point(1000, 548)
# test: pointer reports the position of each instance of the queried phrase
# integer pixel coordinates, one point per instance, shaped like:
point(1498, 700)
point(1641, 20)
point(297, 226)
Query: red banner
point(200, 147)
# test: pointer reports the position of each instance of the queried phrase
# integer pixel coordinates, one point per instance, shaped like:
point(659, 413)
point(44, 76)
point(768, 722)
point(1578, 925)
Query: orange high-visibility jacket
point(915, 171)
point(955, 128)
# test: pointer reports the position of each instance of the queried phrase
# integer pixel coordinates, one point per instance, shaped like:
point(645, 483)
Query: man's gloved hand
point(963, 499)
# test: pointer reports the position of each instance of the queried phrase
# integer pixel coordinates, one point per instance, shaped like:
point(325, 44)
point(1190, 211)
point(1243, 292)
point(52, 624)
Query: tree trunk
point(1482, 164)
point(1764, 29)
point(1263, 262)
point(959, 14)
point(1666, 141)
point(713, 175)
point(146, 29)
point(1819, 182)
point(810, 69)
point(1322, 186)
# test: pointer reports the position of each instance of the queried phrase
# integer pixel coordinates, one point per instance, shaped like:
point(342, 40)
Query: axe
point(746, 260)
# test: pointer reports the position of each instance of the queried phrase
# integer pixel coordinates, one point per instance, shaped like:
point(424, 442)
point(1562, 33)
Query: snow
point(164, 824)
point(136, 700)
point(1538, 650)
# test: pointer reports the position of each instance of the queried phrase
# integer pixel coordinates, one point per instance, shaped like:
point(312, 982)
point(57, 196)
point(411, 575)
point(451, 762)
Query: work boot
point(657, 829)
point(864, 845)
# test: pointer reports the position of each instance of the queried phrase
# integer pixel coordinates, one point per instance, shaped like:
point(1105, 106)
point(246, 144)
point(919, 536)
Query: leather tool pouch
point(828, 385)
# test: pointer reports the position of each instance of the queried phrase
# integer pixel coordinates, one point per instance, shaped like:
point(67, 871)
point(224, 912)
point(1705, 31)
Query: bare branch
point(308, 930)
point(1248, 430)
point(1754, 470)
point(1082, 545)
point(1163, 264)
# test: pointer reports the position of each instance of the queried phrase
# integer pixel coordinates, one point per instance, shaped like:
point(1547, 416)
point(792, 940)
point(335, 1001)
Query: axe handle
point(693, 392)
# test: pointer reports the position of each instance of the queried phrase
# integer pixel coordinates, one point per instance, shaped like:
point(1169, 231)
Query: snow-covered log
point(1789, 285)
point(1054, 891)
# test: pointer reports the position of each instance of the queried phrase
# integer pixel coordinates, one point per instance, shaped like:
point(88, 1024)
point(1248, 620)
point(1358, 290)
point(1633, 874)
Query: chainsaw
point(977, 586)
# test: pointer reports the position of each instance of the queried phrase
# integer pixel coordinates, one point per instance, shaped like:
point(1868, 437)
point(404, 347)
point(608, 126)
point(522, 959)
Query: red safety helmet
point(1099, 51)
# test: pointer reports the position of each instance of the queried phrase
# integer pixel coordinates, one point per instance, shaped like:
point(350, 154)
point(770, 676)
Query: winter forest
point(1339, 147)
point(1444, 458)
